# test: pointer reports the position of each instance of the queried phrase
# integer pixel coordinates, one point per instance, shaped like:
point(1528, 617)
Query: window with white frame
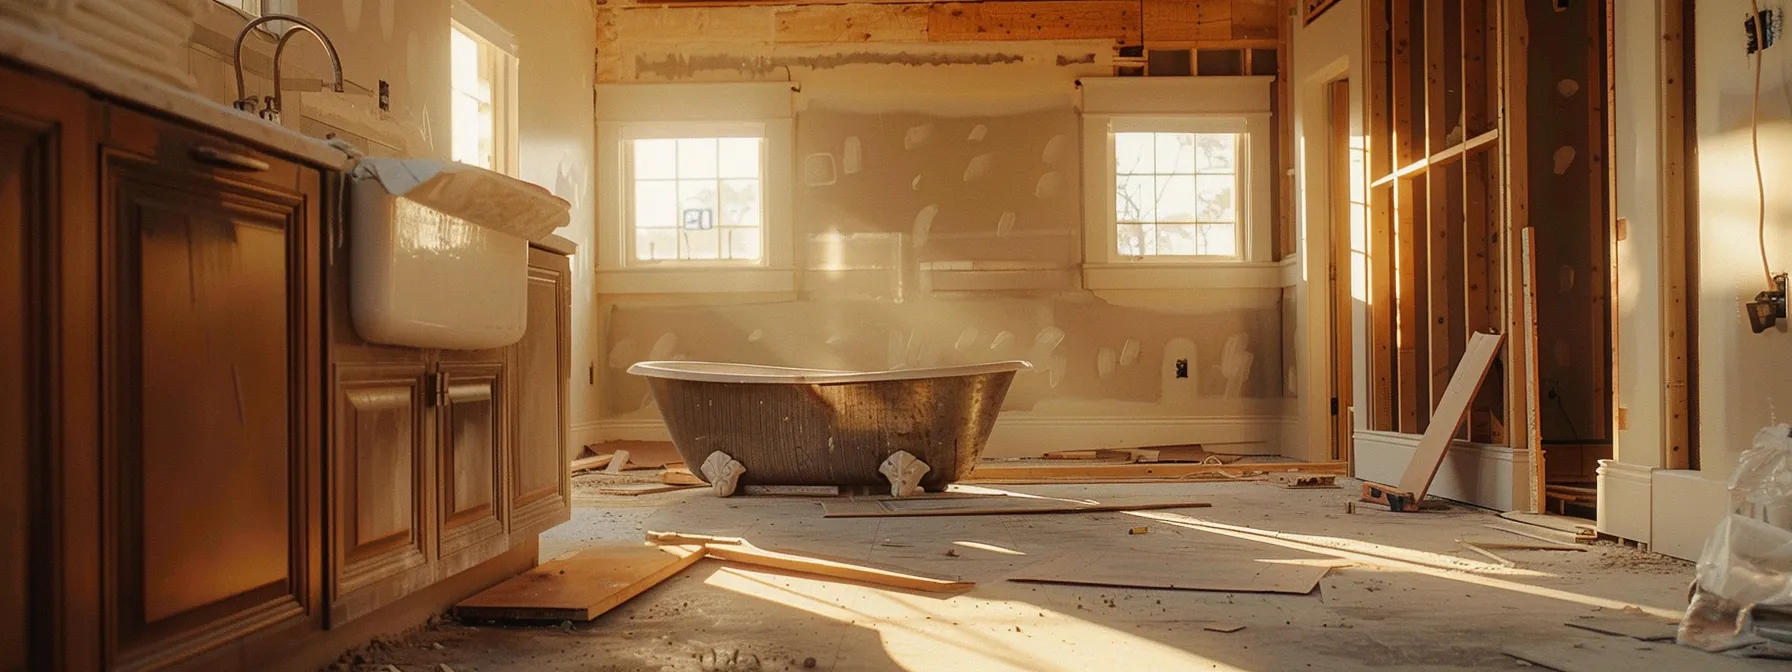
point(702, 177)
point(696, 198)
point(1177, 184)
point(481, 64)
point(1176, 194)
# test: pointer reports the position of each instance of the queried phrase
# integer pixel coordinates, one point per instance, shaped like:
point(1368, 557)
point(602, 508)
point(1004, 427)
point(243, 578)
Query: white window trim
point(627, 112)
point(1177, 105)
point(504, 85)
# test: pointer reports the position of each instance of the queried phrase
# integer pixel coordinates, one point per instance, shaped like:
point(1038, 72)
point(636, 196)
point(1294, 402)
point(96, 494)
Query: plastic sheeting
point(492, 200)
point(1747, 562)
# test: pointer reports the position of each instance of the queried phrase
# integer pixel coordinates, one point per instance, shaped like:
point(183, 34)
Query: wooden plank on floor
point(1136, 571)
point(581, 587)
point(989, 471)
point(749, 554)
point(635, 489)
point(1003, 20)
point(1450, 411)
point(1641, 628)
point(1006, 506)
point(1627, 655)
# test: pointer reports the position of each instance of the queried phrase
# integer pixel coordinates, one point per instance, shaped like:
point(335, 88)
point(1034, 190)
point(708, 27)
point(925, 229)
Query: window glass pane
point(743, 243)
point(701, 244)
point(738, 157)
point(1216, 152)
point(656, 205)
point(1179, 239)
point(1134, 199)
point(656, 244)
point(1132, 153)
point(740, 203)
point(463, 60)
point(656, 159)
point(696, 205)
point(1175, 152)
point(1175, 198)
point(696, 158)
point(1217, 239)
point(1131, 240)
point(1217, 198)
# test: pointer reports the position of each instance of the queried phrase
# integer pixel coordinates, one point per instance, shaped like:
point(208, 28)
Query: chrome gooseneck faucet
point(272, 106)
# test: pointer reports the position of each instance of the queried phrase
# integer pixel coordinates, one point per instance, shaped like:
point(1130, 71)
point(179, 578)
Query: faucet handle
point(270, 109)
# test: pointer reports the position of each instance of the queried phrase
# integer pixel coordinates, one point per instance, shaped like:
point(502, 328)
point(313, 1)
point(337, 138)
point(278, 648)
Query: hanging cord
point(1761, 29)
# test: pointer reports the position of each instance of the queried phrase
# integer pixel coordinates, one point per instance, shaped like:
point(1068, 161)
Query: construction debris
point(1300, 481)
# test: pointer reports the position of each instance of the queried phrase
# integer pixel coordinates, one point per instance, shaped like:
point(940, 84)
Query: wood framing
point(1118, 20)
point(1677, 315)
point(1442, 175)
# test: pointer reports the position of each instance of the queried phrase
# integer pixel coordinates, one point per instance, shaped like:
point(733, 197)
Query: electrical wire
point(1761, 29)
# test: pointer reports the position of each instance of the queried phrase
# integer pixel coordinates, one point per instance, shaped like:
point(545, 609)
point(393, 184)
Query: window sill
point(695, 280)
point(1188, 275)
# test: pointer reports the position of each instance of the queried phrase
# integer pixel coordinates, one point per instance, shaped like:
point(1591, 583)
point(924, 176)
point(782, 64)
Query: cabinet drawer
point(189, 150)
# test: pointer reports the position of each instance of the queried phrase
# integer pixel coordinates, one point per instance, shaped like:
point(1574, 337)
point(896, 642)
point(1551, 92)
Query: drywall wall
point(1325, 51)
point(1637, 162)
point(405, 43)
point(938, 221)
point(1743, 385)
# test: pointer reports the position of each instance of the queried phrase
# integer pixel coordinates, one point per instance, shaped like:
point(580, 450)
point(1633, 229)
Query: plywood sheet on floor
point(1626, 655)
point(1151, 571)
point(580, 587)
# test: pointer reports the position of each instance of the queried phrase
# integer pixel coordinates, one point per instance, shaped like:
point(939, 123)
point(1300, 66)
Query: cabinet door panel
point(31, 183)
point(540, 484)
point(380, 491)
point(471, 454)
point(206, 538)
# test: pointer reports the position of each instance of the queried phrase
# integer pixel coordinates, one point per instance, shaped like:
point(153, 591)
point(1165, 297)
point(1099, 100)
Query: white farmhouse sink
point(438, 252)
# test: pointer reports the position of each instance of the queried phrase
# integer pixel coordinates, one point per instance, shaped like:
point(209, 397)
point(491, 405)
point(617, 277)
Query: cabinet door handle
point(213, 156)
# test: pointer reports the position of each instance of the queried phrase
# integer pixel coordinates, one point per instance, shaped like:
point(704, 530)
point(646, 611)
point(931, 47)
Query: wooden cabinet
point(443, 458)
point(46, 216)
point(210, 348)
point(201, 465)
point(540, 484)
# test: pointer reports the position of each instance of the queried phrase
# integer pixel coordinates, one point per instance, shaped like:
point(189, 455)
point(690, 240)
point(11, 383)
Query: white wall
point(1743, 378)
point(1325, 51)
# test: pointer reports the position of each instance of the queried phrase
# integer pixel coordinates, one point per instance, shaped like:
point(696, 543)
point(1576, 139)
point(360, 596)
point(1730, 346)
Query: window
point(1177, 183)
point(1176, 194)
point(481, 64)
point(703, 178)
point(696, 198)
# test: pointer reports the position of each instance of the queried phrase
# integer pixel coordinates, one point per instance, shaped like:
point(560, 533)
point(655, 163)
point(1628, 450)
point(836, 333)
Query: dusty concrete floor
point(1405, 596)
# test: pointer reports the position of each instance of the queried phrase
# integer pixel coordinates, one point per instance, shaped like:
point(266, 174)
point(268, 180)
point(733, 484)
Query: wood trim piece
point(1450, 412)
point(1677, 316)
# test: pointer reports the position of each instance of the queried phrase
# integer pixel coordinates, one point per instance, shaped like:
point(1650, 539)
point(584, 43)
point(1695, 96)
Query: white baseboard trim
point(1033, 436)
point(581, 434)
point(1483, 475)
point(1685, 507)
point(1625, 498)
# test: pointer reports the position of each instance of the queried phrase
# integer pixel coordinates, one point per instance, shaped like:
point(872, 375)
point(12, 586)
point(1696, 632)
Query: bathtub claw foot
point(723, 472)
point(904, 472)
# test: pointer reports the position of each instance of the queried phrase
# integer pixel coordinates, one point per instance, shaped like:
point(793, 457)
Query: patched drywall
point(938, 221)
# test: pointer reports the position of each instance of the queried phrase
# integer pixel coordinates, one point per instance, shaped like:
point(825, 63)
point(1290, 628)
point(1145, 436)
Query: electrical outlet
point(1181, 368)
point(1756, 40)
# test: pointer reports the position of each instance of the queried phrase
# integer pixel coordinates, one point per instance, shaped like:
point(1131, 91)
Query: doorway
point(1338, 275)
